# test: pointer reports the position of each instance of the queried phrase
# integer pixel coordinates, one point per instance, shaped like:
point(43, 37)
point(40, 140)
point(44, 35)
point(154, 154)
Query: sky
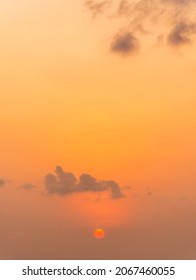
point(98, 129)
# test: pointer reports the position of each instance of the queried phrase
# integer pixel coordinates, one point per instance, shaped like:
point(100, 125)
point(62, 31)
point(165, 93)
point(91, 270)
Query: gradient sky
point(105, 89)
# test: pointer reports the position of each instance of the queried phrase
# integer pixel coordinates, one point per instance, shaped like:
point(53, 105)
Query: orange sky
point(102, 90)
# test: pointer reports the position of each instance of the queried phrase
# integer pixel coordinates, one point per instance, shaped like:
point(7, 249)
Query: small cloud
point(124, 43)
point(96, 7)
point(28, 186)
point(65, 183)
point(181, 34)
point(2, 183)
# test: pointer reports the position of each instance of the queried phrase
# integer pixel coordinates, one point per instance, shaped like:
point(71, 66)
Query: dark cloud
point(124, 43)
point(97, 7)
point(65, 183)
point(2, 183)
point(28, 186)
point(181, 34)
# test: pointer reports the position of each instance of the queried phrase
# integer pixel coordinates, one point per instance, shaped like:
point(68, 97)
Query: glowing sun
point(99, 233)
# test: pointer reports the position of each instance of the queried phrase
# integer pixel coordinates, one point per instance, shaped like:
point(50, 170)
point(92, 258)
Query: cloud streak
point(65, 183)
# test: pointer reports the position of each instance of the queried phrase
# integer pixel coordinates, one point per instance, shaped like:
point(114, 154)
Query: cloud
point(147, 17)
point(65, 183)
point(97, 7)
point(181, 34)
point(154, 10)
point(123, 7)
point(124, 43)
point(115, 190)
point(28, 186)
point(2, 183)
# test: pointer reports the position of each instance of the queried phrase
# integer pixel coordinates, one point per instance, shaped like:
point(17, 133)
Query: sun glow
point(99, 233)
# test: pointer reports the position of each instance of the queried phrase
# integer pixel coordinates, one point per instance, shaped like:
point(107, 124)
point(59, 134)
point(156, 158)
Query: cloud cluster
point(174, 18)
point(2, 183)
point(65, 183)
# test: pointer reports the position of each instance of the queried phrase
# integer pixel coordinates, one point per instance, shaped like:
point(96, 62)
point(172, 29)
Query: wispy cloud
point(97, 7)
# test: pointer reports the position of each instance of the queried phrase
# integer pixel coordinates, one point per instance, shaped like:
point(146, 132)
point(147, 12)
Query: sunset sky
point(98, 129)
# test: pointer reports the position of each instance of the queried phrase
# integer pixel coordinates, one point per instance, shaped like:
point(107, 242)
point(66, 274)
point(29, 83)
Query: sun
point(99, 233)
